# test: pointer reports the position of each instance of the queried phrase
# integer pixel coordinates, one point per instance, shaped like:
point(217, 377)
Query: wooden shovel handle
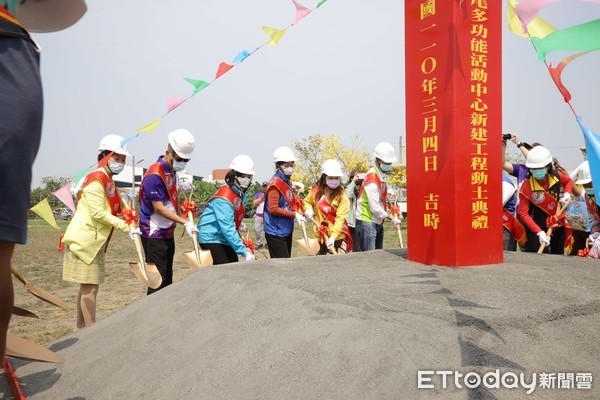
point(194, 237)
point(303, 226)
point(19, 276)
point(549, 232)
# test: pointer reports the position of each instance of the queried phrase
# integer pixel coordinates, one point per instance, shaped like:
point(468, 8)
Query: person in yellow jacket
point(89, 232)
point(328, 204)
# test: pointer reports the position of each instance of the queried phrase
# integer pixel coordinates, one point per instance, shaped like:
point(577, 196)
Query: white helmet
point(385, 152)
point(113, 143)
point(538, 157)
point(243, 164)
point(584, 175)
point(182, 142)
point(284, 154)
point(332, 168)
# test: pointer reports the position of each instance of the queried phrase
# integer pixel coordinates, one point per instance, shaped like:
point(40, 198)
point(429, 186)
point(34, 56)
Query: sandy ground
point(356, 326)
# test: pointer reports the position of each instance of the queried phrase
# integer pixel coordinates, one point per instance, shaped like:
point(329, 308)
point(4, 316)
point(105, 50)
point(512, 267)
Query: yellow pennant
point(274, 34)
point(537, 28)
point(43, 210)
point(150, 127)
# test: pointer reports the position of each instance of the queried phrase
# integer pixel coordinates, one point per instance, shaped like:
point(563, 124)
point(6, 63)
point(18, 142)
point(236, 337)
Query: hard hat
point(182, 142)
point(284, 154)
point(385, 152)
point(332, 168)
point(113, 143)
point(49, 16)
point(584, 175)
point(538, 157)
point(243, 164)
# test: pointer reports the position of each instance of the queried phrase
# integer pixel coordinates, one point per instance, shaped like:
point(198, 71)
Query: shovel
point(21, 312)
point(17, 347)
point(398, 227)
point(38, 291)
point(325, 237)
point(559, 211)
point(308, 246)
point(146, 273)
point(197, 258)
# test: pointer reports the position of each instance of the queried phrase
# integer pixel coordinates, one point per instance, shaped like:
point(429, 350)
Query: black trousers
point(557, 242)
point(221, 253)
point(356, 244)
point(279, 247)
point(161, 253)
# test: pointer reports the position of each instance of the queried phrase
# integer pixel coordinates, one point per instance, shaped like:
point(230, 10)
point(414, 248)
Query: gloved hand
point(594, 236)
point(190, 228)
point(129, 196)
point(250, 257)
point(243, 227)
point(309, 213)
point(134, 231)
point(566, 196)
point(298, 186)
point(544, 239)
point(187, 187)
point(395, 221)
point(300, 218)
point(330, 242)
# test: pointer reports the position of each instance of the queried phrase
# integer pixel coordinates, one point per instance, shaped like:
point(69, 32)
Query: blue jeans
point(370, 235)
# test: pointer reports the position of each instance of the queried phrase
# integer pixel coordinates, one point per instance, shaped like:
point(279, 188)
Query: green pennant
point(321, 3)
point(584, 37)
point(198, 85)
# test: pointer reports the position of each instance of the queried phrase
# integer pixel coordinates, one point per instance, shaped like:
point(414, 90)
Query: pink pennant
point(527, 10)
point(173, 103)
point(223, 67)
point(64, 195)
point(301, 11)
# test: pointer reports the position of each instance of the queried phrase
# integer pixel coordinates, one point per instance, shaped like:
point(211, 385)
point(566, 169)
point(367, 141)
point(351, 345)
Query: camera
point(507, 136)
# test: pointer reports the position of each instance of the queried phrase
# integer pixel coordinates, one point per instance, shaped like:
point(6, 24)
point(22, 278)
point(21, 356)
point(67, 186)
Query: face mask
point(538, 174)
point(385, 167)
point(244, 182)
point(332, 183)
point(115, 167)
point(179, 165)
point(288, 171)
point(590, 191)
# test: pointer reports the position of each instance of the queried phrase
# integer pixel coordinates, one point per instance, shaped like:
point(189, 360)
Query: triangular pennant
point(321, 3)
point(173, 103)
point(241, 56)
point(556, 72)
point(592, 148)
point(149, 127)
point(301, 11)
point(274, 34)
point(223, 67)
point(43, 210)
point(536, 28)
point(78, 177)
point(198, 85)
point(129, 139)
point(64, 195)
point(104, 161)
point(583, 37)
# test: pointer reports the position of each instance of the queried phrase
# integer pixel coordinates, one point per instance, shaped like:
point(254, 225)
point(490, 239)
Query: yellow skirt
point(75, 270)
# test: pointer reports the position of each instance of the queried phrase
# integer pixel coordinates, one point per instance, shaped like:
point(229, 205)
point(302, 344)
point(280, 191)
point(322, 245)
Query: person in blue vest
point(282, 206)
point(223, 216)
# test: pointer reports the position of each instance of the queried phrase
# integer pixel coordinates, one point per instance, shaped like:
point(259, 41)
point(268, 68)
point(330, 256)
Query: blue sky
point(340, 70)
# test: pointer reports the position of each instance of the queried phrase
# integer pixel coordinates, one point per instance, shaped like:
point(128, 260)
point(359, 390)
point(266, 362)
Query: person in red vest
point(223, 216)
point(329, 203)
point(539, 199)
point(159, 205)
point(21, 107)
point(88, 234)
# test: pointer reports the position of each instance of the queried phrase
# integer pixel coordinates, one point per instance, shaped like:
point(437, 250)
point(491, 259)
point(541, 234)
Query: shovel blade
point(154, 277)
point(192, 262)
point(46, 296)
point(312, 249)
point(21, 312)
point(17, 347)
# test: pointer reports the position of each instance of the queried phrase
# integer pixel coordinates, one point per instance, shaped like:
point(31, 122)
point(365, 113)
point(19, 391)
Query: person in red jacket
point(540, 196)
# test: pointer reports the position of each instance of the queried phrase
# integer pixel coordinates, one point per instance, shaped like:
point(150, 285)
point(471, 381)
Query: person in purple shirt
point(159, 205)
point(259, 222)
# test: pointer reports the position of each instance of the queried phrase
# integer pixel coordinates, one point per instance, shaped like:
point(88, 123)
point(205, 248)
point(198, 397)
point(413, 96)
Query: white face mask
point(244, 182)
point(179, 165)
point(332, 183)
point(288, 171)
point(115, 167)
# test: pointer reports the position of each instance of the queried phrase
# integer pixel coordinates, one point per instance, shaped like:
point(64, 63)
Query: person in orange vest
point(21, 106)
point(223, 216)
point(88, 234)
point(539, 199)
point(159, 205)
point(329, 203)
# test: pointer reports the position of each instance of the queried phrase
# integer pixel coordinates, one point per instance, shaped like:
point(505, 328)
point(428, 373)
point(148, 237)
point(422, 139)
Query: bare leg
point(6, 292)
point(79, 322)
point(87, 303)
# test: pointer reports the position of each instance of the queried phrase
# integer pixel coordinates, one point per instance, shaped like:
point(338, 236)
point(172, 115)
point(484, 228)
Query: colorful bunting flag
point(537, 28)
point(129, 139)
point(43, 210)
point(241, 56)
point(150, 127)
point(173, 103)
point(64, 195)
point(321, 3)
point(223, 67)
point(592, 147)
point(198, 85)
point(556, 72)
point(301, 11)
point(583, 37)
point(78, 177)
point(274, 34)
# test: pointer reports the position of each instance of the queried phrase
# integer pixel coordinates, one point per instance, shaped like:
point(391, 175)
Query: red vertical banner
point(453, 131)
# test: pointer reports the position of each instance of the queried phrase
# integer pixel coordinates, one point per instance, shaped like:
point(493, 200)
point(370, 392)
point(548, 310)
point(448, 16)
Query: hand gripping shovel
point(559, 211)
point(308, 246)
point(197, 258)
point(17, 347)
point(146, 273)
point(38, 291)
point(323, 234)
